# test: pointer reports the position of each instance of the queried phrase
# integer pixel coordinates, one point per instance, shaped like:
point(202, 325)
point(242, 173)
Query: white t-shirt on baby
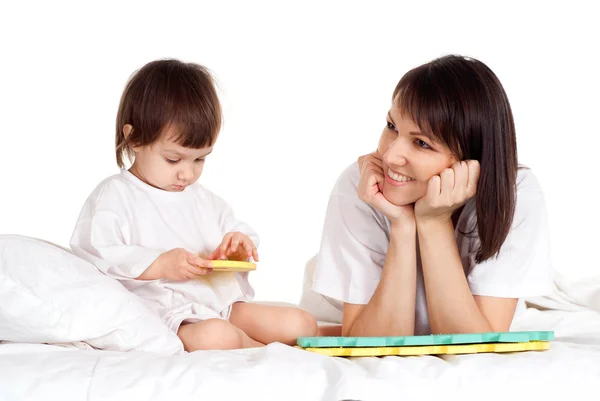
point(125, 224)
point(355, 241)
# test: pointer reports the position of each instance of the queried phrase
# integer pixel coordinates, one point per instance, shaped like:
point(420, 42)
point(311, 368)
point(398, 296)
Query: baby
point(155, 229)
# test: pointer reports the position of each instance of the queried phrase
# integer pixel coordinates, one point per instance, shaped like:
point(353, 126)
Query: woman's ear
point(127, 130)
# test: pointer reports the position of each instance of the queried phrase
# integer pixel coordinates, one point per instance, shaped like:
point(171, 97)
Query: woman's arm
point(391, 310)
point(450, 305)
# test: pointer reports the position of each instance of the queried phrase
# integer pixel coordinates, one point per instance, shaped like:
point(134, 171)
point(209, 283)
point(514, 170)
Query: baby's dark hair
point(163, 94)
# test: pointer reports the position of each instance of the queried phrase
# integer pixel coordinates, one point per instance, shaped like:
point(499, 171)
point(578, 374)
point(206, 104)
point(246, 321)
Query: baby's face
point(167, 165)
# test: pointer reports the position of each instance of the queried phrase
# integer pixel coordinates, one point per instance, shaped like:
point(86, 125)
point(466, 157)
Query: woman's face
point(410, 158)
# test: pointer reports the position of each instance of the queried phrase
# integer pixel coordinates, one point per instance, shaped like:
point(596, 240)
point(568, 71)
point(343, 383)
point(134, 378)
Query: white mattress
point(43, 372)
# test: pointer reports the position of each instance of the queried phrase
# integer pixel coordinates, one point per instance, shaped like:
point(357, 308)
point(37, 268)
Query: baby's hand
point(178, 265)
point(235, 246)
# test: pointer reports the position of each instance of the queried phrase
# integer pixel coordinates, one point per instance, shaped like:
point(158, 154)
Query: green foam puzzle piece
point(434, 339)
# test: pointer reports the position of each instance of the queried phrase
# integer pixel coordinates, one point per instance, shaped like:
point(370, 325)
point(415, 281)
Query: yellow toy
point(232, 266)
point(433, 349)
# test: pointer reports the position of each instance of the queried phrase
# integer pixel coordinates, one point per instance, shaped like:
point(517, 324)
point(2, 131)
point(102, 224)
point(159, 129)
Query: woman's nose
point(396, 154)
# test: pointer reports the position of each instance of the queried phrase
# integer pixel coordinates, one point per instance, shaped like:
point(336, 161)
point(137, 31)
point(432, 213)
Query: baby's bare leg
point(214, 334)
point(268, 323)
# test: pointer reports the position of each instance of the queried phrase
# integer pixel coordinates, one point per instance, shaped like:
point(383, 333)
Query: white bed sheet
point(277, 372)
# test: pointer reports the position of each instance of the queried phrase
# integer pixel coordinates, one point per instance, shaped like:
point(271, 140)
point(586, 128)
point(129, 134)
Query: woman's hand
point(370, 189)
point(448, 191)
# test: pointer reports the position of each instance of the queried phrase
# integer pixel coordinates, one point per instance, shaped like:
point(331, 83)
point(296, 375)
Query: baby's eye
point(201, 160)
point(422, 144)
point(172, 161)
point(391, 126)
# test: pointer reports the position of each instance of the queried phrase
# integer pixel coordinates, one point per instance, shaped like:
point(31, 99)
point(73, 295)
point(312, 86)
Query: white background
point(305, 88)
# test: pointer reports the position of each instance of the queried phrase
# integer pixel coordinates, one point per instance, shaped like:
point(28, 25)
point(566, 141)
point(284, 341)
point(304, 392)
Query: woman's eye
point(172, 161)
point(391, 126)
point(200, 160)
point(422, 144)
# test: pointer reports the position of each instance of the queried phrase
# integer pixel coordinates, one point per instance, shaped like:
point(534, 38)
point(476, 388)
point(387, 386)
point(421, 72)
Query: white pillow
point(49, 295)
point(324, 309)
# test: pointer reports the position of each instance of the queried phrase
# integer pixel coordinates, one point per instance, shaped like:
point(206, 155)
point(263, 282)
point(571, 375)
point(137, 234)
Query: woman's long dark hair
point(462, 103)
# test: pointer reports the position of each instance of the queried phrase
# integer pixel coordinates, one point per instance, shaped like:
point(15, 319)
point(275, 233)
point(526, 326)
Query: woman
point(438, 230)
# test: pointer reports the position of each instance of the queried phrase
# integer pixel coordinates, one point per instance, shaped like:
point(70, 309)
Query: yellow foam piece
point(232, 266)
point(433, 349)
